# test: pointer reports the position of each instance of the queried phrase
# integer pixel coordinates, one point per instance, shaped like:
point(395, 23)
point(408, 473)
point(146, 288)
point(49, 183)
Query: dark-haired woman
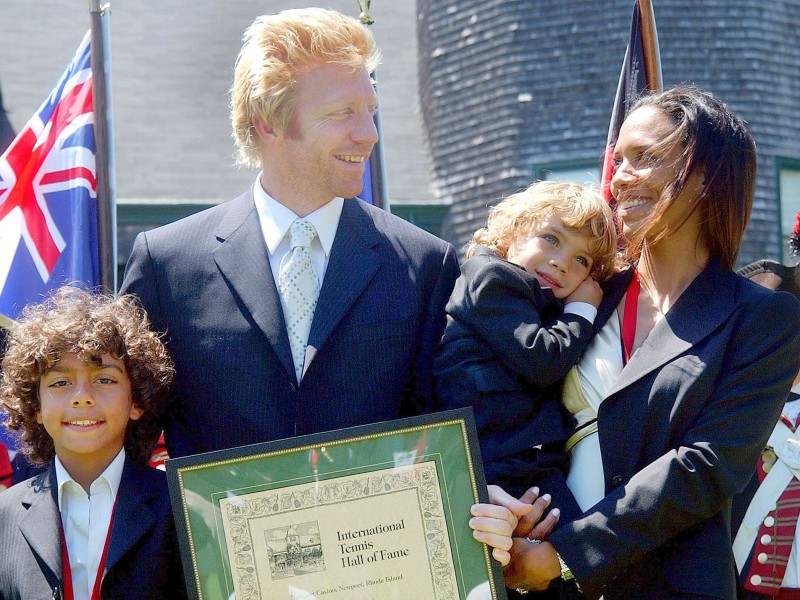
point(690, 372)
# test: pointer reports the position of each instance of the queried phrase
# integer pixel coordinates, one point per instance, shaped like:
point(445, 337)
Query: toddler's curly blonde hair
point(579, 207)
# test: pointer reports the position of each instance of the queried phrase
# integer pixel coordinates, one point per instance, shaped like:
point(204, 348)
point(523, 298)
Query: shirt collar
point(276, 219)
point(112, 475)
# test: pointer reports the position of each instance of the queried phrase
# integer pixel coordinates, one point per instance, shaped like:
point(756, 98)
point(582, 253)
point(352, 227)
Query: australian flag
point(48, 195)
point(48, 198)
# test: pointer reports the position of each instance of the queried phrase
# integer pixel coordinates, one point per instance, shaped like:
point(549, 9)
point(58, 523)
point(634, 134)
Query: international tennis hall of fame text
point(343, 538)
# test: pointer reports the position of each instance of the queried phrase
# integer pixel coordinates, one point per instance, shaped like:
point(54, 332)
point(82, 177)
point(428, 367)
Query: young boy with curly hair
point(519, 318)
point(83, 384)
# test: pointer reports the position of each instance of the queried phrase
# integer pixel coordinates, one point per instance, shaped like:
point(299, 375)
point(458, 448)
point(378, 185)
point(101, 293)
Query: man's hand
point(493, 525)
point(497, 523)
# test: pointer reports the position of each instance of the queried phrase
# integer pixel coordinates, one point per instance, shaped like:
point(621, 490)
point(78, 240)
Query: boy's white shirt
point(582, 309)
point(86, 521)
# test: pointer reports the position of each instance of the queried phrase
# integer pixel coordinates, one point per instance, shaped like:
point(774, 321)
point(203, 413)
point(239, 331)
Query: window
point(134, 217)
point(586, 172)
point(426, 216)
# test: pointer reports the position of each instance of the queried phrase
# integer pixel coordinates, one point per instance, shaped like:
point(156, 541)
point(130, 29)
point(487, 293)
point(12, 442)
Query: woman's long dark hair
point(715, 142)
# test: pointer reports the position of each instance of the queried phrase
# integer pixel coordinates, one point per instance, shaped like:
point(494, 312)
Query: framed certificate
point(377, 511)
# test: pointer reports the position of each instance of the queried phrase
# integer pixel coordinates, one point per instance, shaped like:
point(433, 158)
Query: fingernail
point(555, 512)
point(546, 498)
point(535, 490)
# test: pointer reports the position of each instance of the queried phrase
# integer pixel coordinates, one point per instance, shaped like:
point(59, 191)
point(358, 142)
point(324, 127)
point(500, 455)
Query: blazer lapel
point(133, 517)
point(41, 525)
point(243, 260)
point(702, 308)
point(354, 260)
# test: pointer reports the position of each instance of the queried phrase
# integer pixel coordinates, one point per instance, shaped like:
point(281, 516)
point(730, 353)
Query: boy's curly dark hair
point(77, 321)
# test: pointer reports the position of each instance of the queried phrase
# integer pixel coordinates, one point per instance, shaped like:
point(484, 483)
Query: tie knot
point(302, 234)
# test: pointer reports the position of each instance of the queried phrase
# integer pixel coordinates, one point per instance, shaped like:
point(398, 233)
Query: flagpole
point(103, 147)
point(641, 71)
point(652, 54)
point(377, 167)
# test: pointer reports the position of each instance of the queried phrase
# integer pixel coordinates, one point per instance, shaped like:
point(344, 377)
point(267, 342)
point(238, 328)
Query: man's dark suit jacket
point(143, 560)
point(505, 351)
point(680, 434)
point(206, 282)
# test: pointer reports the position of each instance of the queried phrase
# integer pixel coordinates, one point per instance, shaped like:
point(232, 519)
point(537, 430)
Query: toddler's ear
point(136, 412)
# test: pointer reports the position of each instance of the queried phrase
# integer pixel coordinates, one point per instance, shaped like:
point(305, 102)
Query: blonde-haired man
point(272, 336)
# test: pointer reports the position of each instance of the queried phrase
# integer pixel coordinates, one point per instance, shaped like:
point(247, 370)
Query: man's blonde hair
point(278, 47)
point(580, 209)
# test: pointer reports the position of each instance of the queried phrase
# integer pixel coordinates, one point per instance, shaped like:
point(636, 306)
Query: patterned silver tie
point(299, 290)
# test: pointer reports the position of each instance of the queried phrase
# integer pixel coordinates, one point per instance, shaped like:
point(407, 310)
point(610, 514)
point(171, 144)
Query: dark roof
point(172, 66)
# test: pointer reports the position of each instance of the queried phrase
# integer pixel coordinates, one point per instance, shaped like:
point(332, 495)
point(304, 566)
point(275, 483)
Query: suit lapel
point(41, 526)
point(133, 517)
point(702, 308)
point(354, 260)
point(243, 260)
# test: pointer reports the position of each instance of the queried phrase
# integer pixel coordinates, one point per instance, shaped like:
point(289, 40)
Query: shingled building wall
point(509, 84)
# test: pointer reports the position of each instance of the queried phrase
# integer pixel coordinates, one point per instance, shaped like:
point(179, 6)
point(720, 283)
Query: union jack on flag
point(48, 194)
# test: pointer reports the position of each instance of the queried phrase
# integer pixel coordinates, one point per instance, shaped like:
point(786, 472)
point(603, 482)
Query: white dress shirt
point(276, 220)
point(582, 309)
point(585, 387)
point(86, 521)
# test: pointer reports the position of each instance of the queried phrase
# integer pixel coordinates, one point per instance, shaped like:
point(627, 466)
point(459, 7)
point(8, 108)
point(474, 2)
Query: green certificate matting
point(377, 511)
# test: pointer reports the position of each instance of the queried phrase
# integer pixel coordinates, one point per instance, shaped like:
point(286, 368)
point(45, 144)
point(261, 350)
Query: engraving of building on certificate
point(381, 534)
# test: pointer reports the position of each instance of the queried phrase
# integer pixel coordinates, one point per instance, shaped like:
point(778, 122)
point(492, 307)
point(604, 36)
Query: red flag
point(641, 71)
point(6, 472)
point(159, 455)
